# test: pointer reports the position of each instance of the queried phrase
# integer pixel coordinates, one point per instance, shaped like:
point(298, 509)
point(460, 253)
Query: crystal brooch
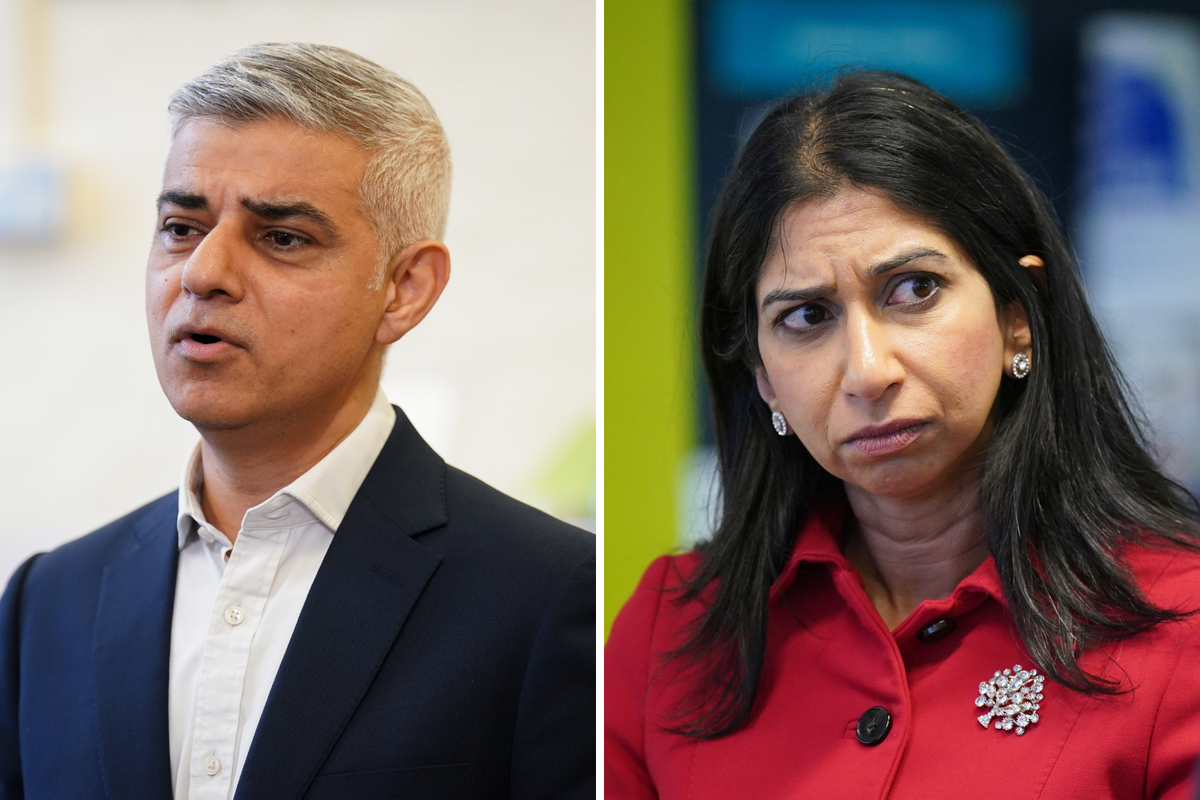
point(1012, 699)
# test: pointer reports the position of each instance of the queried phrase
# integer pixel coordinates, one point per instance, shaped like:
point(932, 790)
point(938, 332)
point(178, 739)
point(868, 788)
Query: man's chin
point(208, 423)
point(206, 415)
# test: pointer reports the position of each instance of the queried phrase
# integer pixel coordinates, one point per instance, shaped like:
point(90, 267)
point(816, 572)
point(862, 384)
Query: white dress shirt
point(237, 605)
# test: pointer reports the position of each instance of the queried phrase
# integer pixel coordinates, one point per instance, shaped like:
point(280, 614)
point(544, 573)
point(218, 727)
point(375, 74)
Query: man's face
point(258, 286)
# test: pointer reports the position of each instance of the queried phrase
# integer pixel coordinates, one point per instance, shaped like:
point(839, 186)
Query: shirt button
point(234, 616)
point(937, 630)
point(212, 765)
point(873, 726)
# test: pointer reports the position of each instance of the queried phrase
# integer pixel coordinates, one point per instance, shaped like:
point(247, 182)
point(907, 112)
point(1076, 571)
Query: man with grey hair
point(324, 609)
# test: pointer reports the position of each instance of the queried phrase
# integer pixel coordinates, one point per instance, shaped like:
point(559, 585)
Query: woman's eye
point(913, 289)
point(805, 317)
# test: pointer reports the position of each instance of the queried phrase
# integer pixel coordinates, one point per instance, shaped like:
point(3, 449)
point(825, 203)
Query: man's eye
point(913, 289)
point(805, 317)
point(178, 229)
point(285, 240)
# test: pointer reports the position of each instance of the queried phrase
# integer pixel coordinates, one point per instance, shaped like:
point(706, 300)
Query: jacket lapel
point(132, 644)
point(369, 582)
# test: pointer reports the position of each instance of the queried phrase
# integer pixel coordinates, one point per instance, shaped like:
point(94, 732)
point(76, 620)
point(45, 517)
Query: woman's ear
point(1014, 326)
point(1014, 322)
point(765, 390)
point(1038, 268)
point(414, 280)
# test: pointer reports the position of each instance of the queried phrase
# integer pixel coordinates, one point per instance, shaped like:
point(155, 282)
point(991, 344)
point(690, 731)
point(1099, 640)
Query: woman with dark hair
point(946, 564)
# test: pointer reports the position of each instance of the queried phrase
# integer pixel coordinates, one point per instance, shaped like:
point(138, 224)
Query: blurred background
point(500, 378)
point(1099, 101)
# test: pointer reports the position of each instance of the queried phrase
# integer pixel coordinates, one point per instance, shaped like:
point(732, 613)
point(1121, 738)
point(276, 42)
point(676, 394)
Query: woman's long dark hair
point(1067, 480)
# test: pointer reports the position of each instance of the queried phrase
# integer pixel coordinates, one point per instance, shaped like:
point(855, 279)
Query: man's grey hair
point(405, 193)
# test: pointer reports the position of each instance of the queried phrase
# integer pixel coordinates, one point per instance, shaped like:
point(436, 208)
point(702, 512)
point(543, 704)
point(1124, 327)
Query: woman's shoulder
point(658, 616)
point(657, 593)
point(672, 571)
point(1169, 576)
point(639, 685)
point(1149, 730)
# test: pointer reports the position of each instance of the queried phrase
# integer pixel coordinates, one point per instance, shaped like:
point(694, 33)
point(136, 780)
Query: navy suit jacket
point(446, 649)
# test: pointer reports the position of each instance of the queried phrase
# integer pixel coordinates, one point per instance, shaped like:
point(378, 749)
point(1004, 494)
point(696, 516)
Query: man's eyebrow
point(277, 211)
point(808, 294)
point(175, 197)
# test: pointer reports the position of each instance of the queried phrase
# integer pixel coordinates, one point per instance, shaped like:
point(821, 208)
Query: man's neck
point(242, 467)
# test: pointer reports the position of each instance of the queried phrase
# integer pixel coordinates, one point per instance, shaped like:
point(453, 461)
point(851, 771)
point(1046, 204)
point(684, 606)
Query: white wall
point(501, 371)
point(10, 67)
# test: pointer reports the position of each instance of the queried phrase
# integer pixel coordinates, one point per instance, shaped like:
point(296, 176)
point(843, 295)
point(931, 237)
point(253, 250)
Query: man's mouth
point(202, 334)
point(202, 345)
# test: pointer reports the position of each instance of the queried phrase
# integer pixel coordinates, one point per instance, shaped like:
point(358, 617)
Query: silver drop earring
point(1020, 365)
point(779, 422)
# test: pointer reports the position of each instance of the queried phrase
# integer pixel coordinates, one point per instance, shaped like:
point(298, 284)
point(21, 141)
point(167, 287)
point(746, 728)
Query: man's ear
point(765, 390)
point(414, 280)
point(1014, 325)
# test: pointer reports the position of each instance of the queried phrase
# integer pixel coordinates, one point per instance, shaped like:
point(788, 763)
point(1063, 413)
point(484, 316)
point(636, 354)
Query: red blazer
point(830, 658)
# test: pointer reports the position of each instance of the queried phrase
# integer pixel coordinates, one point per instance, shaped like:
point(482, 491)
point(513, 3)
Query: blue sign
point(1134, 125)
point(32, 202)
point(973, 51)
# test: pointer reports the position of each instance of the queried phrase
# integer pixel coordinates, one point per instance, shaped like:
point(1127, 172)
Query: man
point(324, 609)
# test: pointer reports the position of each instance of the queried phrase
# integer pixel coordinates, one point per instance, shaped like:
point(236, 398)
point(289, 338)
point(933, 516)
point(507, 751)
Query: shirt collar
point(326, 490)
point(820, 542)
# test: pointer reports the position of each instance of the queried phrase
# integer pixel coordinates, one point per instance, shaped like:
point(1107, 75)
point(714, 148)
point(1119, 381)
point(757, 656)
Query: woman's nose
point(871, 367)
point(214, 268)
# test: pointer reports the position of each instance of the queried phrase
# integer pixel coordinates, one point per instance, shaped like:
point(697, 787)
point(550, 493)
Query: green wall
point(648, 257)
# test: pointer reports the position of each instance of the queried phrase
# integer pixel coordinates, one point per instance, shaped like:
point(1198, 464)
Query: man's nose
point(871, 366)
point(212, 270)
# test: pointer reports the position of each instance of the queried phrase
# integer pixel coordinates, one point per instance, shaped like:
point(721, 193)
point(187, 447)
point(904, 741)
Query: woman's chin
point(899, 479)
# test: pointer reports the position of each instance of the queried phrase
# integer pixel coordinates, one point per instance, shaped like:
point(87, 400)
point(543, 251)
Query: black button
point(937, 630)
point(873, 725)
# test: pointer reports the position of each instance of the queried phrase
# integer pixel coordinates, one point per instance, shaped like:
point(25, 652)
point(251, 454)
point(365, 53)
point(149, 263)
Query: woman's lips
point(884, 440)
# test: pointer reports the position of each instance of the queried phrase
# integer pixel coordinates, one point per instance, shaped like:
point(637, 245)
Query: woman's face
point(881, 344)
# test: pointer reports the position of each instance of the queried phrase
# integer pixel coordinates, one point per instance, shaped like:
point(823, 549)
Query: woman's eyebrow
point(884, 267)
point(806, 295)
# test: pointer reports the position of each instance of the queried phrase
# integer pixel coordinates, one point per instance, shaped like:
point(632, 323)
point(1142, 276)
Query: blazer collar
point(371, 578)
point(407, 484)
point(132, 648)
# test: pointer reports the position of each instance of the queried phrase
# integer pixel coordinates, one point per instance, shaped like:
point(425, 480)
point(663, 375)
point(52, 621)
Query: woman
point(946, 565)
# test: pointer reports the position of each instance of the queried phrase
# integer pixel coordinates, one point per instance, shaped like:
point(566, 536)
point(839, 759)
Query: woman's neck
point(911, 550)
